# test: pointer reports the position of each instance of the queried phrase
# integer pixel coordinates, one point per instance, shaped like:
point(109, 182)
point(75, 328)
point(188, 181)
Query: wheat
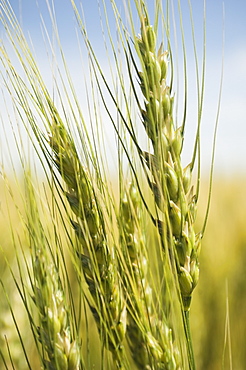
point(148, 350)
point(54, 329)
point(171, 183)
point(97, 260)
point(113, 268)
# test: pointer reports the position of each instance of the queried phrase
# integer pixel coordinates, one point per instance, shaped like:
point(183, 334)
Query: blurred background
point(218, 312)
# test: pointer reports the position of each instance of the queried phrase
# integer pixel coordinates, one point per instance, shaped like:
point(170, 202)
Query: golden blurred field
point(219, 301)
point(221, 290)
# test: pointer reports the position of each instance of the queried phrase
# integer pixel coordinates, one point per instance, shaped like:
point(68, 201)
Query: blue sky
point(231, 142)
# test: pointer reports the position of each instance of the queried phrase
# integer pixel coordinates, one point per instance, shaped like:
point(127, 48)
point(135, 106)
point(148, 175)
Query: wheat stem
point(189, 341)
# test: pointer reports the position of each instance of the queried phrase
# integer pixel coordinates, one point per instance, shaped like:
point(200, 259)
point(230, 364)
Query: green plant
point(137, 287)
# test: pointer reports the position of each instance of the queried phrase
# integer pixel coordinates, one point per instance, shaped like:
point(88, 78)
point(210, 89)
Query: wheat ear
point(96, 258)
point(171, 184)
point(149, 350)
point(59, 350)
